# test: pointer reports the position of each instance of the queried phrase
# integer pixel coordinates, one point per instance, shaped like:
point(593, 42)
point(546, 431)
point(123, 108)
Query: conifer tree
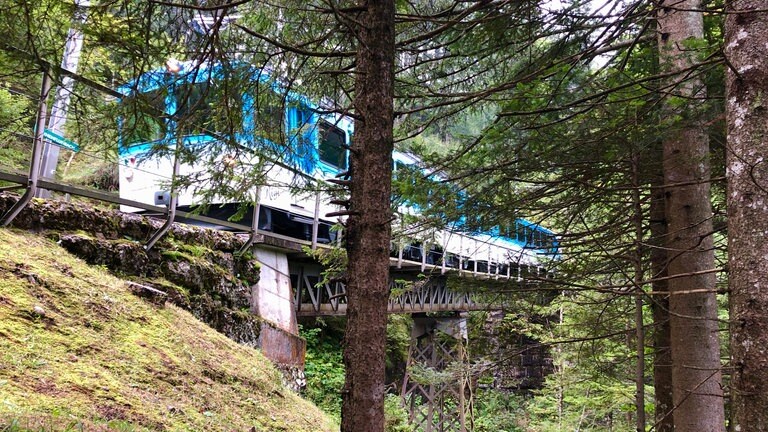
point(746, 52)
point(695, 345)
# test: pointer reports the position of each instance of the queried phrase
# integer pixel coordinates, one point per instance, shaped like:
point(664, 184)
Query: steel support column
point(436, 388)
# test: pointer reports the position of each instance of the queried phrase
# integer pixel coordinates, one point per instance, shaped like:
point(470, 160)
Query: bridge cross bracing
point(443, 404)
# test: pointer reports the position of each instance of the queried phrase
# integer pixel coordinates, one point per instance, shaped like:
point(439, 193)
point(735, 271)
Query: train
point(298, 145)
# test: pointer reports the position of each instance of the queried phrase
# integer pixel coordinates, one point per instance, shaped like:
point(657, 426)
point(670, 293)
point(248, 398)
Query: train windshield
point(144, 117)
point(532, 236)
point(333, 146)
point(207, 108)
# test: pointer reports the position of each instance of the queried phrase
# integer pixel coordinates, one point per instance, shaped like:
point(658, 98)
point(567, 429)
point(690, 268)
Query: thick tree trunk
point(746, 48)
point(695, 346)
point(368, 227)
point(662, 360)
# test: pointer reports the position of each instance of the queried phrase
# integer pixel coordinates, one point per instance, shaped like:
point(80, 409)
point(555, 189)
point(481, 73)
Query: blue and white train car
point(517, 250)
point(171, 112)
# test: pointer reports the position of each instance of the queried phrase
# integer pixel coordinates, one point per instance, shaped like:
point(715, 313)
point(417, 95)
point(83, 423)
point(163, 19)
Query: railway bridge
point(292, 286)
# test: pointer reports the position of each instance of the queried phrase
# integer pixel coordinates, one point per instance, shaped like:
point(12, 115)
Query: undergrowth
point(324, 369)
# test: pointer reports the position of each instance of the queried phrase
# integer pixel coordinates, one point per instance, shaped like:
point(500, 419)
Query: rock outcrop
point(198, 269)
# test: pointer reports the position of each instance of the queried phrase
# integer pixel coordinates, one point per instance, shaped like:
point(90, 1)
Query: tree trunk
point(368, 227)
point(638, 276)
point(695, 346)
point(662, 360)
point(746, 39)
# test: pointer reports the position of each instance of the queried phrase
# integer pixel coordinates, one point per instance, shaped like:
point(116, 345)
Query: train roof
point(192, 72)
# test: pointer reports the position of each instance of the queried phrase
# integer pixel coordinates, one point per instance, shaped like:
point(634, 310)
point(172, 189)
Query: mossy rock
point(80, 351)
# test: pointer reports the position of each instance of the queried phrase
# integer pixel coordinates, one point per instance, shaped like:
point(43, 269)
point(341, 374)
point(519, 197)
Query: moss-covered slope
point(78, 351)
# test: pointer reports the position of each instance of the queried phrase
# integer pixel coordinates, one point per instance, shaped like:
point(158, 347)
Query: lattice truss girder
point(430, 294)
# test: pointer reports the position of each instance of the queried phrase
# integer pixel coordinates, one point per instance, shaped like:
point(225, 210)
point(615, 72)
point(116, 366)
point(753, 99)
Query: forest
point(632, 129)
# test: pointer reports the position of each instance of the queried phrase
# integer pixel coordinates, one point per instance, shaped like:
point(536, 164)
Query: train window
point(551, 243)
point(268, 115)
point(537, 241)
point(193, 108)
point(520, 232)
point(507, 231)
point(397, 166)
point(143, 118)
point(332, 146)
point(303, 117)
point(530, 235)
point(482, 224)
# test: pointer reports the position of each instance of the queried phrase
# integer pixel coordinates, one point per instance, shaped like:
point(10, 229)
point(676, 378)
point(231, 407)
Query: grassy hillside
point(78, 351)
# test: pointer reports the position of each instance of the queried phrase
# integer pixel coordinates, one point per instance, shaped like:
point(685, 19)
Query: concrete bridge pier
point(272, 301)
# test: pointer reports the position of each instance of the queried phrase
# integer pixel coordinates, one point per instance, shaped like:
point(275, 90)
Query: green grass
point(79, 352)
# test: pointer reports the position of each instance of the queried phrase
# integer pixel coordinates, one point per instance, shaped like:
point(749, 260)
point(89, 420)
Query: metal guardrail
point(37, 149)
point(53, 185)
